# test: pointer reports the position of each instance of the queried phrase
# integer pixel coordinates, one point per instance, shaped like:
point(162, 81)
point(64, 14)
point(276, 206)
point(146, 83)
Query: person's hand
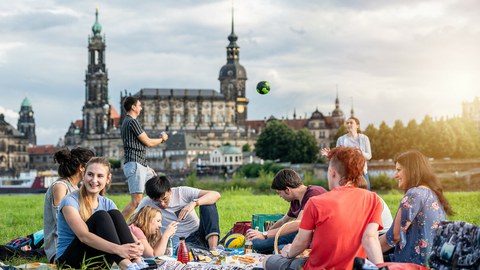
point(186, 210)
point(325, 151)
point(130, 250)
point(171, 229)
point(164, 136)
point(254, 234)
point(285, 250)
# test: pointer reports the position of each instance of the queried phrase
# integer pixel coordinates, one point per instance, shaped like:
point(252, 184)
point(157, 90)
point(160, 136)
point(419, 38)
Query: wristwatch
point(265, 233)
point(196, 202)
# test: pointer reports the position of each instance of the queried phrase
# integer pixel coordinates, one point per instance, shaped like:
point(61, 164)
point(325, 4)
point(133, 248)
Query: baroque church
point(197, 120)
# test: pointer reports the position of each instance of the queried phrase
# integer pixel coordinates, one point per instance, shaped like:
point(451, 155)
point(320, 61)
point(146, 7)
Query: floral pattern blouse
point(421, 207)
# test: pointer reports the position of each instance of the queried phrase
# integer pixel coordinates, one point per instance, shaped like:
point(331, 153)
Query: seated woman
point(91, 230)
point(71, 168)
point(422, 208)
point(145, 226)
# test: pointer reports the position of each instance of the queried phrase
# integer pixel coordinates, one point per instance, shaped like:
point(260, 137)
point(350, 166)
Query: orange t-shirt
point(339, 218)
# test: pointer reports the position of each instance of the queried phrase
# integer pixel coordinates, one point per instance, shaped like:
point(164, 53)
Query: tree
point(246, 148)
point(275, 141)
point(304, 147)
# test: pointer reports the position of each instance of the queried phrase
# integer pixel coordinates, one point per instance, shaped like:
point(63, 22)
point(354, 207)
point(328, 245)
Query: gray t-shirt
point(179, 198)
point(50, 212)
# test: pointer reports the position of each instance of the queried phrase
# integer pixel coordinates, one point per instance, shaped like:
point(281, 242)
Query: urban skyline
point(396, 60)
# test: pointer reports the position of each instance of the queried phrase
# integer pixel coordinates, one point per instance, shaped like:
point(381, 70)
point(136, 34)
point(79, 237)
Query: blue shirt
point(421, 207)
point(65, 233)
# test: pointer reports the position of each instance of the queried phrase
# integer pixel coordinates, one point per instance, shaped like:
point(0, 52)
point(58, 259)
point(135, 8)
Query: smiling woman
point(90, 224)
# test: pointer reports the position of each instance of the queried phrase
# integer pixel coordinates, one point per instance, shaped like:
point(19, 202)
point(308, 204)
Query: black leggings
point(110, 226)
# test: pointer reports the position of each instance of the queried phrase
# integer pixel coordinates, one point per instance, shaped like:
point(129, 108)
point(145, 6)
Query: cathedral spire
point(352, 113)
point(97, 27)
point(233, 51)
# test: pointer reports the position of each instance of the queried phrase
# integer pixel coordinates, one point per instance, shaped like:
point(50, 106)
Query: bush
point(264, 182)
point(253, 170)
point(382, 182)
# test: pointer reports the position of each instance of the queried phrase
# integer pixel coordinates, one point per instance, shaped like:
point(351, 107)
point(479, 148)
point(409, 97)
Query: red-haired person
point(339, 225)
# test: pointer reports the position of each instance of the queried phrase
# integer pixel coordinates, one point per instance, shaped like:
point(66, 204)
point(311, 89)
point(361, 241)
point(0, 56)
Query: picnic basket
point(275, 243)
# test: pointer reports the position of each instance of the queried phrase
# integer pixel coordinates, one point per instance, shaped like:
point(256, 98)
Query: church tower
point(232, 79)
point(26, 122)
point(96, 110)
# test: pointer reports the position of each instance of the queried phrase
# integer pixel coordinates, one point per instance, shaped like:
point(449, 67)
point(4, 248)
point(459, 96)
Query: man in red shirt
point(339, 225)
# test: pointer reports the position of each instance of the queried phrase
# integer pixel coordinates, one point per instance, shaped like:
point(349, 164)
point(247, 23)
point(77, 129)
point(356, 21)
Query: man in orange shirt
point(341, 224)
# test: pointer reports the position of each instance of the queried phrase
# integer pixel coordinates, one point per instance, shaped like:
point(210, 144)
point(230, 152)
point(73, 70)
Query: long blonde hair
point(142, 219)
point(86, 209)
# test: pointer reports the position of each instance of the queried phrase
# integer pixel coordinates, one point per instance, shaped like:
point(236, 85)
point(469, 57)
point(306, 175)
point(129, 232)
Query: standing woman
point(354, 138)
point(71, 168)
point(421, 210)
point(145, 225)
point(91, 230)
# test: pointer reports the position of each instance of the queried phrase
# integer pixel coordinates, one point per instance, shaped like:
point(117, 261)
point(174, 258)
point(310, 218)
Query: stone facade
point(13, 149)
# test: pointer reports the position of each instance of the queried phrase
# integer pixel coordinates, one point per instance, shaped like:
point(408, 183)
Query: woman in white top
point(354, 138)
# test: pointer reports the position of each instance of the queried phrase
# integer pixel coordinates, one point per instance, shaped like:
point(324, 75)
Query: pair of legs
point(110, 226)
point(265, 246)
point(137, 175)
point(208, 231)
point(278, 262)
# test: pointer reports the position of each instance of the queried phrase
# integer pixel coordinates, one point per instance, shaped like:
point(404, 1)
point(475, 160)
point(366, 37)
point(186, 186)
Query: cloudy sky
point(395, 60)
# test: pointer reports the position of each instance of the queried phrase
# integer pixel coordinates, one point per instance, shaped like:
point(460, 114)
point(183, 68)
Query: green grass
point(21, 215)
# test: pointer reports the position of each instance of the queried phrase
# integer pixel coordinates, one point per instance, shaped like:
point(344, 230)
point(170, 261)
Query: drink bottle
point(248, 247)
point(183, 255)
point(169, 250)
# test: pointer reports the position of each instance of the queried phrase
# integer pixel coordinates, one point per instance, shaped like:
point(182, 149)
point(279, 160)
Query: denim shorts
point(137, 175)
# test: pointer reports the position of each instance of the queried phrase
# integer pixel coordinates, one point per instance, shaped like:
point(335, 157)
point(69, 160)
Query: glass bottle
point(183, 255)
point(248, 247)
point(169, 250)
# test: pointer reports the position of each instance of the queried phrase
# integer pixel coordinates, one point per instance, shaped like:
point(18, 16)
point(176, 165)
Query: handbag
point(456, 245)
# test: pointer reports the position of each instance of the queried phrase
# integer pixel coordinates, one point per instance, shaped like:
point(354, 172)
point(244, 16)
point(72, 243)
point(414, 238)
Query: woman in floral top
point(421, 210)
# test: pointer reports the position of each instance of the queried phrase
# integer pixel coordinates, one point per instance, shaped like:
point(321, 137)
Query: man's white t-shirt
point(179, 198)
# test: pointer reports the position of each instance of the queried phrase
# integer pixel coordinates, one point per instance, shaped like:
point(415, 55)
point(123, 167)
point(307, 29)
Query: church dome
point(26, 103)
point(317, 115)
point(97, 27)
point(233, 70)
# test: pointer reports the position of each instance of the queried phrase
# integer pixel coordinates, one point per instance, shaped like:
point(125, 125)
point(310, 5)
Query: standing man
point(135, 143)
point(289, 186)
point(178, 204)
point(339, 225)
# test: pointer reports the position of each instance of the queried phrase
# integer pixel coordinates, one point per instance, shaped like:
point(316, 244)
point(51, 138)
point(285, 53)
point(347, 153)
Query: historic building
point(13, 149)
point(215, 118)
point(41, 157)
point(322, 127)
point(471, 110)
point(197, 120)
point(98, 128)
point(26, 121)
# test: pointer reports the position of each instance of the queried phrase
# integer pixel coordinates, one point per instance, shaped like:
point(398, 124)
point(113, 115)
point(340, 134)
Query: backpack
point(456, 245)
point(34, 240)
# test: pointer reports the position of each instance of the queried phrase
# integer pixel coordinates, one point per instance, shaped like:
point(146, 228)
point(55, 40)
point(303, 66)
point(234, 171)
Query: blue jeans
point(265, 246)
point(365, 175)
point(209, 225)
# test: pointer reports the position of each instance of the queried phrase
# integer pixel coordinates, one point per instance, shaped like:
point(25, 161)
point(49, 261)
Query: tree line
point(453, 138)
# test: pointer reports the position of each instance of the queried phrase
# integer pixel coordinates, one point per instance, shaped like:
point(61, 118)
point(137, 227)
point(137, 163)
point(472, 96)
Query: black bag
point(456, 245)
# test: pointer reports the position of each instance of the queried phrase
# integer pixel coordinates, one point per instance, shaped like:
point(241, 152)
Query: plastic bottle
point(169, 250)
point(248, 247)
point(183, 255)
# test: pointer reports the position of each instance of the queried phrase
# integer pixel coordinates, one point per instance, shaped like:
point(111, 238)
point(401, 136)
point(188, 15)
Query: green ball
point(263, 87)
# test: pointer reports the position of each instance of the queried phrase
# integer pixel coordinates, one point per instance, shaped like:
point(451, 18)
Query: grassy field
point(21, 215)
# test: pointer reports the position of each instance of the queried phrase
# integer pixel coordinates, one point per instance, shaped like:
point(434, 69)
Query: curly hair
point(142, 219)
point(349, 163)
point(71, 160)
point(418, 171)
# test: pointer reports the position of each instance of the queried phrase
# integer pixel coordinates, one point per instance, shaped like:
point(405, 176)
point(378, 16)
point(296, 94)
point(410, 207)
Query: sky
point(391, 60)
